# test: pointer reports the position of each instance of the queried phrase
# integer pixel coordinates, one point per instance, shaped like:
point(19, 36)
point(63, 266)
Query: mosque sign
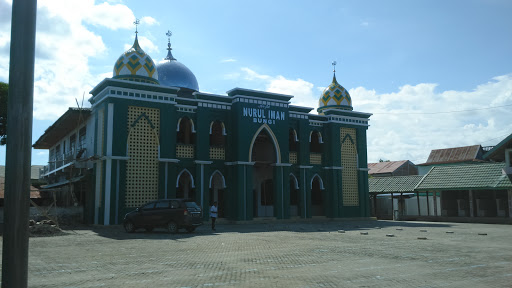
point(262, 114)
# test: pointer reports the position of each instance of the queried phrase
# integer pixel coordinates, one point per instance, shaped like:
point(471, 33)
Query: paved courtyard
point(271, 254)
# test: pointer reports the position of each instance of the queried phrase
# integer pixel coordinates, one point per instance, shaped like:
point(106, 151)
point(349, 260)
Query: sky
point(435, 74)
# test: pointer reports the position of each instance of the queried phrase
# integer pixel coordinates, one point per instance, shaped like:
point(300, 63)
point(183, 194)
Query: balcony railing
point(61, 160)
point(185, 151)
point(217, 153)
point(315, 158)
point(293, 157)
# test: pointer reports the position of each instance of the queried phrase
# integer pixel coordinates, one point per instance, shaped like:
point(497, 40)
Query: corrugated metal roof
point(452, 155)
point(385, 167)
point(466, 177)
point(394, 184)
point(70, 120)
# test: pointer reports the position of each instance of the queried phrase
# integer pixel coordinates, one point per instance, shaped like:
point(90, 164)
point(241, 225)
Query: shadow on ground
point(117, 231)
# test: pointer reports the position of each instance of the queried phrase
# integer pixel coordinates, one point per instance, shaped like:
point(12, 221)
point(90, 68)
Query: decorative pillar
point(282, 203)
point(201, 183)
point(304, 197)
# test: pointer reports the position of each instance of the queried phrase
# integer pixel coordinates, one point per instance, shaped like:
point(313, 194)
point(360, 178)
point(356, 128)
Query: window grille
point(349, 162)
point(293, 157)
point(315, 158)
point(142, 166)
point(217, 153)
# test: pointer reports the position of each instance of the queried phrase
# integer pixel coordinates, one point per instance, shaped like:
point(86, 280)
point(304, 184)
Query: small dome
point(136, 65)
point(334, 97)
point(174, 74)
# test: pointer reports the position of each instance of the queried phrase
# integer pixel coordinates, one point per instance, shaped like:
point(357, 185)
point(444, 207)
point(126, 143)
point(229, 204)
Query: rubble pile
point(44, 228)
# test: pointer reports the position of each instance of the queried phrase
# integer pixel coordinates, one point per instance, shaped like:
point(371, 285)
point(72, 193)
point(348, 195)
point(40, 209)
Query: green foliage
point(4, 89)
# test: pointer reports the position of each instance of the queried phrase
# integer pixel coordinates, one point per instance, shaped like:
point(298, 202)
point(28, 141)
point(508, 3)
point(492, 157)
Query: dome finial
point(169, 54)
point(334, 70)
point(136, 42)
point(136, 23)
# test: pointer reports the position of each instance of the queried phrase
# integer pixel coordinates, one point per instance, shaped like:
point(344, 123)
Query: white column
point(471, 207)
point(108, 168)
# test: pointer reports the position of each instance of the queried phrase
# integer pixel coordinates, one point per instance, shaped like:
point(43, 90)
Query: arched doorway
point(217, 186)
point(264, 154)
point(185, 185)
point(294, 196)
point(317, 197)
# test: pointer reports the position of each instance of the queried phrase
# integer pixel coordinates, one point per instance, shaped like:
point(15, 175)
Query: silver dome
point(174, 74)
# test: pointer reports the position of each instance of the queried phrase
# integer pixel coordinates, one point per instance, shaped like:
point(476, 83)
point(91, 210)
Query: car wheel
point(129, 227)
point(148, 228)
point(190, 229)
point(172, 227)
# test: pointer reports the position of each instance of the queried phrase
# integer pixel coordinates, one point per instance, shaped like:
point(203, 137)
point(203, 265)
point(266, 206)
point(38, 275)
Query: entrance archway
point(217, 186)
point(264, 153)
point(185, 185)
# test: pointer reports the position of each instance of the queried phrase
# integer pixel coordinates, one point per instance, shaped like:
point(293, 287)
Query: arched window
point(217, 133)
point(315, 140)
point(292, 140)
point(185, 133)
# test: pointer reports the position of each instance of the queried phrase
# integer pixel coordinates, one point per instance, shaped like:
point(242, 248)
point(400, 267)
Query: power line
point(444, 112)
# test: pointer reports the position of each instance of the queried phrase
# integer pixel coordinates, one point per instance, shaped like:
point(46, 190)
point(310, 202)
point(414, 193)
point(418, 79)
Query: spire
point(136, 42)
point(334, 71)
point(169, 54)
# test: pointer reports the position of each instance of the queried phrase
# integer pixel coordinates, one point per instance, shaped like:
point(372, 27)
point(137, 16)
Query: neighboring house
point(452, 156)
point(36, 194)
point(502, 152)
point(396, 193)
point(69, 161)
point(479, 192)
point(392, 168)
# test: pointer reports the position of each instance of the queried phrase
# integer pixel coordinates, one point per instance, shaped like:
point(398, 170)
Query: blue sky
point(400, 60)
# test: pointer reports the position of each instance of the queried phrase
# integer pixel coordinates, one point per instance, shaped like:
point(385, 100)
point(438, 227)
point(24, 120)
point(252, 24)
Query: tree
point(4, 89)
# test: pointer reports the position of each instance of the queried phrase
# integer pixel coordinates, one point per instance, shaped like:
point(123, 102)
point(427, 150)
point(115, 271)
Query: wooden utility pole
point(19, 144)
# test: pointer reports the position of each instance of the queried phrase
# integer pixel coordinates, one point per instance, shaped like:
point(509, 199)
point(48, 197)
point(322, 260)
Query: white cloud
point(227, 60)
point(150, 21)
point(299, 88)
point(117, 16)
point(252, 75)
point(407, 125)
point(64, 46)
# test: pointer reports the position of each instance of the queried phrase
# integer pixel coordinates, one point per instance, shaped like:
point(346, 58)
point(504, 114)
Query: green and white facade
point(252, 151)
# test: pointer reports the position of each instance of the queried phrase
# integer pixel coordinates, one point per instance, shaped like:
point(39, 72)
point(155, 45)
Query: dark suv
point(172, 214)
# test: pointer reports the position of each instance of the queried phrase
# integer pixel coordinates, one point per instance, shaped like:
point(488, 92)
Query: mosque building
point(151, 134)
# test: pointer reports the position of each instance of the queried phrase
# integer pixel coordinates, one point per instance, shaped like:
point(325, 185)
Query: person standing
point(213, 214)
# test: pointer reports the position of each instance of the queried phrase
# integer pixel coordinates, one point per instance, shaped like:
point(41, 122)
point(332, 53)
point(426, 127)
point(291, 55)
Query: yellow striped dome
point(334, 97)
point(136, 65)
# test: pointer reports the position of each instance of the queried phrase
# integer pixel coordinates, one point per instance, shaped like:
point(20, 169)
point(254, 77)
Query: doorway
point(264, 155)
